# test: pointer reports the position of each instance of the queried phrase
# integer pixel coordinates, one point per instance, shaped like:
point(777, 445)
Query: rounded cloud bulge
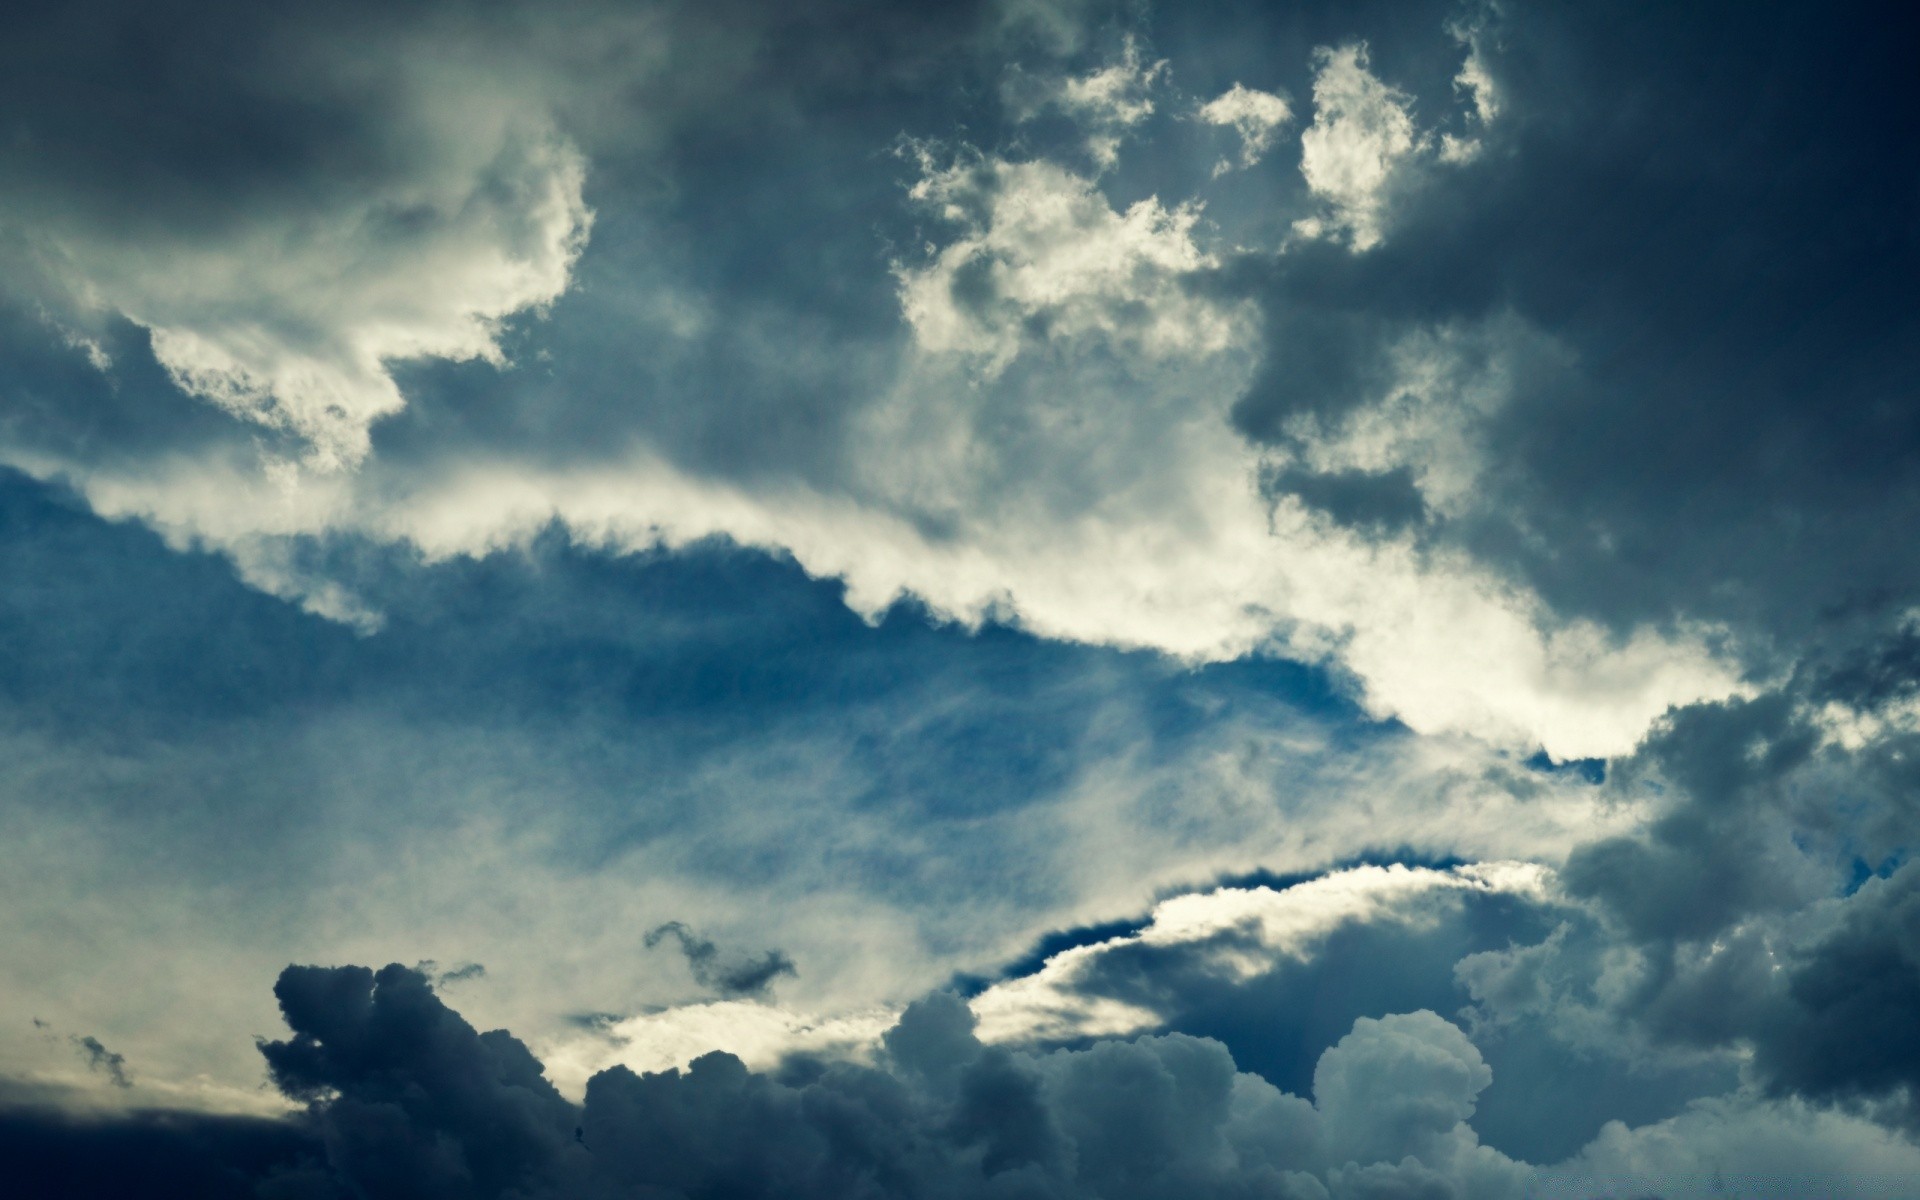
point(1017, 388)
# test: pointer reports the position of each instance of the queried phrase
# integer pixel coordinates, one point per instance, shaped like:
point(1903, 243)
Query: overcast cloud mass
point(1009, 599)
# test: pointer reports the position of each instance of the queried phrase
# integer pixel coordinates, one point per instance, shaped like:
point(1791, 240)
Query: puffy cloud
point(1838, 1027)
point(1107, 101)
point(1362, 133)
point(1390, 1115)
point(1039, 248)
point(1740, 1147)
point(1257, 116)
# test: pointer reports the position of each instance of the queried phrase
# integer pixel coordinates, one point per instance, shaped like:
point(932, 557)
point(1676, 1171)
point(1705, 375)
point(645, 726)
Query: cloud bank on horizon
point(1024, 597)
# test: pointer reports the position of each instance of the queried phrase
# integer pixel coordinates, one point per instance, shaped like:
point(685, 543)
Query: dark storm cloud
point(1549, 1096)
point(731, 975)
point(1843, 1028)
point(1706, 210)
point(50, 1155)
point(410, 1101)
point(1716, 852)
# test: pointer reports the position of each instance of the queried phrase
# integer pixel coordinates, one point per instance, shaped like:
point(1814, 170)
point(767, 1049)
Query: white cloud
point(1267, 926)
point(1107, 102)
point(291, 318)
point(1481, 88)
point(1361, 136)
point(758, 1034)
point(1039, 247)
point(1053, 446)
point(1258, 117)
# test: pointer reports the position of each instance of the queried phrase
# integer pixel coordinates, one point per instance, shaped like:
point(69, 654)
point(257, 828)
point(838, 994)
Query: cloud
point(1257, 116)
point(468, 1114)
point(1547, 452)
point(1040, 249)
point(52, 1154)
point(548, 733)
point(1741, 1147)
point(101, 1059)
point(283, 277)
point(1013, 397)
point(731, 976)
point(1107, 102)
point(1362, 133)
point(1234, 934)
point(1838, 1030)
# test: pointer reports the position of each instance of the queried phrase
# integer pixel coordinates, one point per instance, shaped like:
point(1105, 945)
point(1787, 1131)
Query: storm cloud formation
point(1294, 599)
point(408, 1100)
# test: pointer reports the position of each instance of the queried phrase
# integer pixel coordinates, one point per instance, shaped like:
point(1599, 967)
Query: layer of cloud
point(408, 1099)
point(1039, 431)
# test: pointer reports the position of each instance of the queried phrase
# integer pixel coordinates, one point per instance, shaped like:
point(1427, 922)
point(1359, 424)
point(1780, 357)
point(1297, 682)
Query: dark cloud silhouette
point(1699, 211)
point(405, 1099)
point(410, 1099)
point(729, 975)
point(1718, 850)
point(1842, 1025)
point(101, 1059)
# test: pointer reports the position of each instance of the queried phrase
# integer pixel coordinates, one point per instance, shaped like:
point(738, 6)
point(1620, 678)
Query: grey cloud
point(1718, 434)
point(1843, 1027)
point(405, 1099)
point(730, 975)
point(1721, 847)
point(1381, 502)
point(456, 974)
point(409, 1100)
point(99, 1058)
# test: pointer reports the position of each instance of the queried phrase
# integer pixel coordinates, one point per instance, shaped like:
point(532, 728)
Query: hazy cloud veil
point(1020, 598)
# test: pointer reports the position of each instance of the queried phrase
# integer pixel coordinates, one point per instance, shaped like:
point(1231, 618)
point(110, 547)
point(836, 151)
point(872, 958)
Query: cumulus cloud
point(1106, 102)
point(1040, 249)
point(1256, 116)
point(408, 1099)
point(1362, 134)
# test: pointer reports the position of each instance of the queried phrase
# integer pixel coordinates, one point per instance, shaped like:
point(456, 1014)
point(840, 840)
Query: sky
point(997, 600)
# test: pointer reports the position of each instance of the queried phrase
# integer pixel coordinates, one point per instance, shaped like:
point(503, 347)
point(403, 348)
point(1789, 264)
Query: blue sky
point(1017, 598)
